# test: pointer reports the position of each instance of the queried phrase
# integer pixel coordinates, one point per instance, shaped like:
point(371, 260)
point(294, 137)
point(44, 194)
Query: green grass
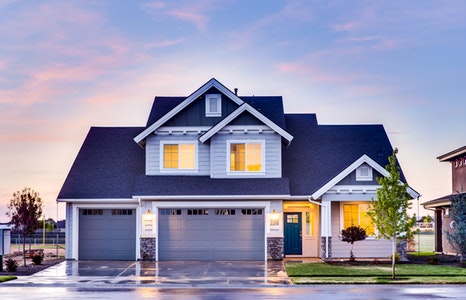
point(6, 278)
point(424, 253)
point(381, 273)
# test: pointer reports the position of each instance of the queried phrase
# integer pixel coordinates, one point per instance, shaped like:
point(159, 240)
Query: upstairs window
point(179, 156)
point(364, 173)
point(213, 105)
point(246, 157)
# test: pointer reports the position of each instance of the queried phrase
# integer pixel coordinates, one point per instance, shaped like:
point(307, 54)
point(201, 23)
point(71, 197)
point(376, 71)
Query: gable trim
point(363, 159)
point(211, 83)
point(245, 107)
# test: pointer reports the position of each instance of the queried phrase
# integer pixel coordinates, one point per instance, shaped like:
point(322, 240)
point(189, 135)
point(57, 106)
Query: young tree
point(457, 236)
point(389, 211)
point(25, 210)
point(353, 234)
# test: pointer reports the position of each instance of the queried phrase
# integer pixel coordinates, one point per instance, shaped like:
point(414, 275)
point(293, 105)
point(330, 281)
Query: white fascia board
point(99, 200)
point(211, 83)
point(363, 159)
point(213, 197)
point(245, 107)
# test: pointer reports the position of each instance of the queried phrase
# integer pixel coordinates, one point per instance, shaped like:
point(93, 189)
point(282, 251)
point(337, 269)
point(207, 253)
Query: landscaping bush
point(11, 265)
point(433, 261)
point(37, 259)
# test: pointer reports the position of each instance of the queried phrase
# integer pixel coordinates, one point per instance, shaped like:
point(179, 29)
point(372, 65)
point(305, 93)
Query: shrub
point(433, 261)
point(11, 265)
point(397, 257)
point(351, 235)
point(37, 259)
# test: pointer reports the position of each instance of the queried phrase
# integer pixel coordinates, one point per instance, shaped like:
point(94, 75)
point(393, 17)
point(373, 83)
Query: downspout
point(310, 199)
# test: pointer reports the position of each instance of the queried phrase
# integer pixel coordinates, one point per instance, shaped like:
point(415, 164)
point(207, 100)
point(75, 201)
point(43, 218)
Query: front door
point(293, 234)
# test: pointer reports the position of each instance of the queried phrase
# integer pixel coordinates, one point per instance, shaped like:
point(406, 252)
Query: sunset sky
point(69, 65)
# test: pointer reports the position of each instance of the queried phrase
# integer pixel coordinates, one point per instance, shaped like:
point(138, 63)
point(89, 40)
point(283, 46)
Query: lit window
point(309, 223)
point(356, 215)
point(213, 105)
point(246, 157)
point(179, 156)
point(364, 173)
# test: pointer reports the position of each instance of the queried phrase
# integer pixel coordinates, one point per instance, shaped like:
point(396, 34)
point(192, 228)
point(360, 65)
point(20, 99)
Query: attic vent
point(364, 173)
point(213, 105)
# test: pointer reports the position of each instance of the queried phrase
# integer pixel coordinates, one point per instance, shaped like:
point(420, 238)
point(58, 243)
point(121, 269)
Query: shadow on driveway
point(190, 273)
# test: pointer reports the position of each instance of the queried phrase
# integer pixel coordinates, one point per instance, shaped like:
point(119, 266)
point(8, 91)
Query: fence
point(51, 238)
point(425, 242)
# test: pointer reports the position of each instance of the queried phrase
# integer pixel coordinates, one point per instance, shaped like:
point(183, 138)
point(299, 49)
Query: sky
point(68, 65)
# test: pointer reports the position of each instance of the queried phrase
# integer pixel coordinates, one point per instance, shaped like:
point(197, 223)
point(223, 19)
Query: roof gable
point(243, 108)
point(352, 167)
point(182, 105)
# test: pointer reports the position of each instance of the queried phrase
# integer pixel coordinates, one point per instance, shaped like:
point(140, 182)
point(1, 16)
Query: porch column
point(326, 230)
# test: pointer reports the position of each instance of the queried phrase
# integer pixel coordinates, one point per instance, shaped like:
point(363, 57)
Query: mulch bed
point(30, 269)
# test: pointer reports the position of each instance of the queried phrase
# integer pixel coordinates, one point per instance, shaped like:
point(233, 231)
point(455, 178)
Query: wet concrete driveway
point(172, 273)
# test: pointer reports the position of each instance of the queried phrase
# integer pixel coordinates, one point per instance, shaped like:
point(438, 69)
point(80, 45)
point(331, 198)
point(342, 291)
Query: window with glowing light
point(179, 156)
point(246, 157)
point(356, 215)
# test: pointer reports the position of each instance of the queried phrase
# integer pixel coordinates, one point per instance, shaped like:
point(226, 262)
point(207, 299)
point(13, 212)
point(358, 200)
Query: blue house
point(217, 176)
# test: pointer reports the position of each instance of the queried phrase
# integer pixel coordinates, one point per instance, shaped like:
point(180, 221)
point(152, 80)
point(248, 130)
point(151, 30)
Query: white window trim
point(178, 171)
point(342, 219)
point(245, 173)
point(361, 177)
point(218, 98)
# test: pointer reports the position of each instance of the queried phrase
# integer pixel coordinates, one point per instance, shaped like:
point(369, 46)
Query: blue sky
point(69, 65)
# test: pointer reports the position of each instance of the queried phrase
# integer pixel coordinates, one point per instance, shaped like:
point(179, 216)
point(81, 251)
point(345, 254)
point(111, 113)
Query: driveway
point(171, 273)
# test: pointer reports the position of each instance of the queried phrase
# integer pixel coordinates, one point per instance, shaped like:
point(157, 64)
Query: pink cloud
point(350, 26)
point(311, 73)
point(197, 19)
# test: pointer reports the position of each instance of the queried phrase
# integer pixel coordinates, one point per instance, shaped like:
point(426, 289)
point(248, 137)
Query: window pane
point(186, 159)
point(213, 105)
point(254, 157)
point(170, 156)
point(350, 215)
point(356, 214)
point(364, 220)
point(310, 223)
point(237, 157)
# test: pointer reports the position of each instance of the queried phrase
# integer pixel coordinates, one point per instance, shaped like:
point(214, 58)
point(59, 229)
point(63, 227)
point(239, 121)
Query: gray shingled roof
point(269, 106)
point(111, 165)
point(318, 153)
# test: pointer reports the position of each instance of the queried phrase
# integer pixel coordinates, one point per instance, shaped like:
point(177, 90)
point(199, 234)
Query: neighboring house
point(217, 176)
point(441, 206)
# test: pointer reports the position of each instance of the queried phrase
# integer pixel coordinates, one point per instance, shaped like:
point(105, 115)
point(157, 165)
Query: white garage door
point(211, 234)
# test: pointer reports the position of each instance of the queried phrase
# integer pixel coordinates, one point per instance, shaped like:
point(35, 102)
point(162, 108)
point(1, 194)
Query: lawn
point(306, 273)
point(6, 278)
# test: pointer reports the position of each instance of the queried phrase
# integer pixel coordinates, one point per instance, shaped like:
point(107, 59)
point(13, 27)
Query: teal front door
point(293, 234)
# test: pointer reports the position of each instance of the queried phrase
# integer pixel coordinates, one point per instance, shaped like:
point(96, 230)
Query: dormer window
point(213, 105)
point(364, 173)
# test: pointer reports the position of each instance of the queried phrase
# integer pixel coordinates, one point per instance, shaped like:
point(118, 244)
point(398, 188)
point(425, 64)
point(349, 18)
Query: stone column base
point(323, 249)
point(275, 248)
point(147, 249)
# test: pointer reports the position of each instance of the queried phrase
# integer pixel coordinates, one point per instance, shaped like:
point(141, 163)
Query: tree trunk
point(393, 256)
point(24, 249)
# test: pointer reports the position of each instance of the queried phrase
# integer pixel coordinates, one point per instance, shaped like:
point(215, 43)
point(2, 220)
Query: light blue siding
point(153, 154)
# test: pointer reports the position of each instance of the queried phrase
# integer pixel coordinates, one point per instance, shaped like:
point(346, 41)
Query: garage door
point(107, 234)
point(211, 234)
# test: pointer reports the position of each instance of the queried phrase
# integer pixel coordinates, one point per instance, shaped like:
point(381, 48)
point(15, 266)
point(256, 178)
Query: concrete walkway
point(171, 273)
